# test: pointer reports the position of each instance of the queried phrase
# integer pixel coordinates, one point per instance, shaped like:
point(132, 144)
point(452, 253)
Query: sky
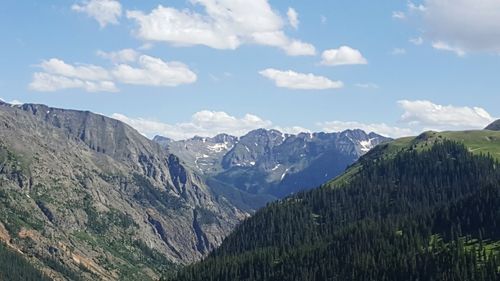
point(181, 68)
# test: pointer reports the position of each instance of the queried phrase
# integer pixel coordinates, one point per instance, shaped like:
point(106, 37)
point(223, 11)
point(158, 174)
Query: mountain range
point(269, 163)
point(85, 197)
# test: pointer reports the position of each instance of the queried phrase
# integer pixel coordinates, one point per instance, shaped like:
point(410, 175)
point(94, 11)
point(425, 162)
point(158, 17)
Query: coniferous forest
point(431, 214)
point(14, 267)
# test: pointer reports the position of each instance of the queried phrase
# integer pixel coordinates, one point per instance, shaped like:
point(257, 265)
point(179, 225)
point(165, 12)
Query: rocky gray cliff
point(86, 196)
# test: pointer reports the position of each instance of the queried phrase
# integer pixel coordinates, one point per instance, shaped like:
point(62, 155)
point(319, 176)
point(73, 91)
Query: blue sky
point(254, 65)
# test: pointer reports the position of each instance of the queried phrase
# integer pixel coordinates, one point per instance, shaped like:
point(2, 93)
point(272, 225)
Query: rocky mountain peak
point(495, 126)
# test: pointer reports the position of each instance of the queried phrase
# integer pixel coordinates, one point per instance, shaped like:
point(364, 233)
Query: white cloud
point(59, 75)
point(203, 123)
point(323, 19)
point(154, 72)
point(46, 82)
point(443, 46)
point(13, 102)
point(299, 48)
point(461, 26)
point(379, 128)
point(398, 51)
point(82, 72)
point(398, 15)
point(103, 11)
point(293, 18)
point(125, 55)
point(226, 24)
point(299, 81)
point(419, 116)
point(144, 70)
point(427, 115)
point(414, 7)
point(344, 55)
point(417, 41)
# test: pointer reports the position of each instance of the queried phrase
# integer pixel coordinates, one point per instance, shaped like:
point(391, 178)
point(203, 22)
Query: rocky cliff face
point(270, 163)
point(80, 192)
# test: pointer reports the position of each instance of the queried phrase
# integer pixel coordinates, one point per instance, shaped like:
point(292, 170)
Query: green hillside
point(425, 208)
point(477, 142)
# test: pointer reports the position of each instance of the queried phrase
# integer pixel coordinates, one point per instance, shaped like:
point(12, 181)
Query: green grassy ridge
point(478, 142)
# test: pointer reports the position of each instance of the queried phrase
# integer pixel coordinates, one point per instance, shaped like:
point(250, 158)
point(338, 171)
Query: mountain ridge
point(272, 163)
point(81, 190)
point(495, 126)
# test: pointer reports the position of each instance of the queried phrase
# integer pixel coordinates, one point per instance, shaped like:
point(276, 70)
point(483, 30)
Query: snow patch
point(219, 147)
point(284, 174)
point(366, 145)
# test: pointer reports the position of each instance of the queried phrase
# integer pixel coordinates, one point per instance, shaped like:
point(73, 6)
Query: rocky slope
point(268, 162)
point(84, 196)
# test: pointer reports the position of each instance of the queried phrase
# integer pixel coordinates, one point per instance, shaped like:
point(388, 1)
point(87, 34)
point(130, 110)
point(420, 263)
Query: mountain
point(83, 196)
point(270, 163)
point(495, 126)
point(419, 208)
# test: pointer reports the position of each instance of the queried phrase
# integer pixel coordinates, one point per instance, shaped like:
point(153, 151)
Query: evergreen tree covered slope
point(14, 267)
point(421, 209)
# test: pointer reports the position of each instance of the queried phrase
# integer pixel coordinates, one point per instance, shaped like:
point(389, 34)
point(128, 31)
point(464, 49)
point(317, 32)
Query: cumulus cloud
point(83, 72)
point(154, 72)
point(46, 82)
point(419, 116)
point(203, 123)
point(226, 24)
point(59, 75)
point(379, 128)
point(461, 26)
point(141, 70)
point(103, 11)
point(293, 18)
point(125, 55)
point(430, 116)
point(299, 81)
point(344, 55)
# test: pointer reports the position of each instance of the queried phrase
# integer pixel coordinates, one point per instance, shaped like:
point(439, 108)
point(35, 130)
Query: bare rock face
point(86, 196)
